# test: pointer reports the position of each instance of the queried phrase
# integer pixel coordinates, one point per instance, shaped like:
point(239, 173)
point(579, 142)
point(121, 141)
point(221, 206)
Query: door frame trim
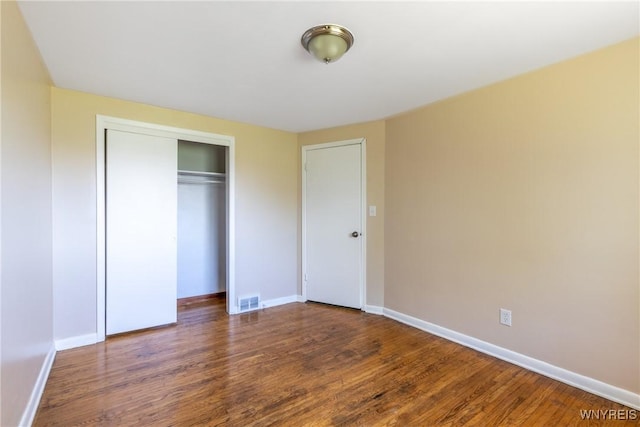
point(363, 203)
point(103, 123)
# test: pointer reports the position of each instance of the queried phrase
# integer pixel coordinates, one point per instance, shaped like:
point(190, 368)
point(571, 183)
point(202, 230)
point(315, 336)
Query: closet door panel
point(141, 220)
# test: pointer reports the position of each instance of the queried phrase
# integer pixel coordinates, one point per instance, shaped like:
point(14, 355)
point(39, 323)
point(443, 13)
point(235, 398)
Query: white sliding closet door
point(141, 229)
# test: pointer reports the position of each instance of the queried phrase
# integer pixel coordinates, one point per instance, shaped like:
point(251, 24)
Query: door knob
point(355, 234)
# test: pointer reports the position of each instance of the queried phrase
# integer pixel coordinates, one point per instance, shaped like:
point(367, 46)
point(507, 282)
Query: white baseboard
point(36, 394)
point(280, 301)
point(373, 309)
point(582, 382)
point(73, 342)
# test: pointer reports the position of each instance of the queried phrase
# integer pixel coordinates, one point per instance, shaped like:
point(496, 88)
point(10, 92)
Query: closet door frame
point(103, 123)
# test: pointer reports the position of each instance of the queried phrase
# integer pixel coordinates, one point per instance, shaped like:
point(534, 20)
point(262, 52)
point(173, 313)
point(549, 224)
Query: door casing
point(105, 122)
point(363, 241)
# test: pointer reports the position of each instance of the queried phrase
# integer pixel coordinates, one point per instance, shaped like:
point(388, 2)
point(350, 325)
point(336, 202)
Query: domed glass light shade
point(327, 43)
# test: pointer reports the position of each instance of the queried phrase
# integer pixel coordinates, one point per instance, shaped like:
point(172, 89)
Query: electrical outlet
point(505, 317)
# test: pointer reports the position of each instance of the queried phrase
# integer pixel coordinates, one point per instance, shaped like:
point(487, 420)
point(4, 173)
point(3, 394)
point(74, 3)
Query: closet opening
point(137, 183)
point(201, 236)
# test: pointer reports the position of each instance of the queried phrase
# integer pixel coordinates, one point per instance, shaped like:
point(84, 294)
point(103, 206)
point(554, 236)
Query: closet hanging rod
point(199, 173)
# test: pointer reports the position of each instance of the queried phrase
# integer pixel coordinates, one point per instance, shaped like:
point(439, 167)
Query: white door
point(333, 224)
point(141, 229)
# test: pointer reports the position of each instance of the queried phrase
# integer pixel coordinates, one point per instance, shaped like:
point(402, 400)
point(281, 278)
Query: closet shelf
point(199, 173)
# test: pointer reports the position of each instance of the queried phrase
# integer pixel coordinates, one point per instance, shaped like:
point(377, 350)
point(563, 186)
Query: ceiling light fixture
point(327, 42)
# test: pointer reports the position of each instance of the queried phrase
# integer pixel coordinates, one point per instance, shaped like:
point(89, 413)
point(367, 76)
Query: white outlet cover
point(505, 317)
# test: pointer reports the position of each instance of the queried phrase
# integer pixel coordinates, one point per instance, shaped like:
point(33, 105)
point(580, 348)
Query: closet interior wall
point(201, 219)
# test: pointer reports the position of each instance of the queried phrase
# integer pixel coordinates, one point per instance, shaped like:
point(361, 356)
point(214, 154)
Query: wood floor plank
point(299, 364)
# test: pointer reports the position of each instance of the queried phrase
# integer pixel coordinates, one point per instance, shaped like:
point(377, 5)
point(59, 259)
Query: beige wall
point(524, 195)
point(25, 283)
point(374, 132)
point(266, 202)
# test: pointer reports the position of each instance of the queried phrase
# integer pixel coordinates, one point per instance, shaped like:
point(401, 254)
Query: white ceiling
point(243, 61)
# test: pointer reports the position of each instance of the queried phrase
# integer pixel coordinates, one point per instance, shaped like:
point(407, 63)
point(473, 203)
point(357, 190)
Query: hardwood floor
point(300, 364)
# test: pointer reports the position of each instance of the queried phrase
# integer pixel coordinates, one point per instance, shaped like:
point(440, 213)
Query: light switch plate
point(372, 210)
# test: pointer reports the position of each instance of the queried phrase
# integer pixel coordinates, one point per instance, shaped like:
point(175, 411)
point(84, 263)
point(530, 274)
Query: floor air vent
point(249, 303)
